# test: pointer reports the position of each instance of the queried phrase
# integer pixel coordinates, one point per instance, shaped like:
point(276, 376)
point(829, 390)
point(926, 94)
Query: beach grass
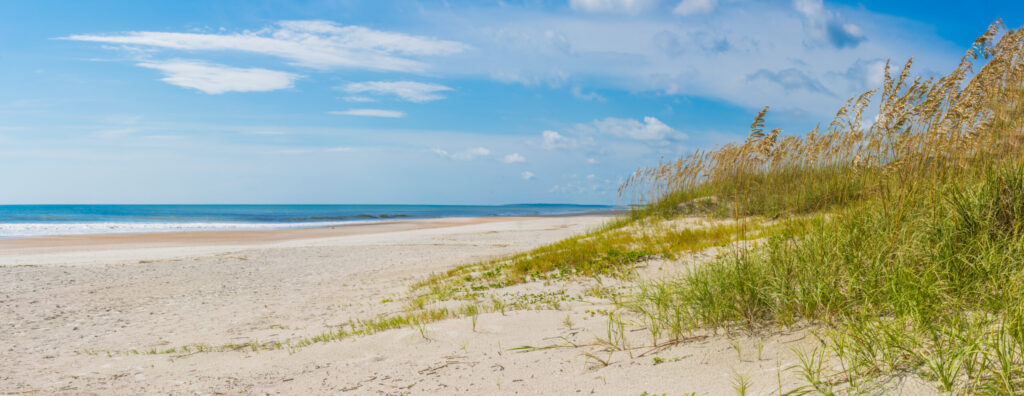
point(914, 259)
point(613, 250)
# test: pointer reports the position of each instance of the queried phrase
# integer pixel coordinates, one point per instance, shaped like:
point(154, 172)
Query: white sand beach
point(76, 309)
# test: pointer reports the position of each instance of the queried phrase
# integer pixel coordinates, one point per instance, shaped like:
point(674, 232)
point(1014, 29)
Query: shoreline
point(43, 221)
point(100, 249)
point(165, 239)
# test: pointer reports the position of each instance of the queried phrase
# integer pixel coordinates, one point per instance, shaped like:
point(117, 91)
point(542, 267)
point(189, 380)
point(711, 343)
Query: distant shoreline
point(68, 220)
point(50, 244)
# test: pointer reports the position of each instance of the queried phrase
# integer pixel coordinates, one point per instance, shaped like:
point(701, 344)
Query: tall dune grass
point(926, 130)
point(915, 263)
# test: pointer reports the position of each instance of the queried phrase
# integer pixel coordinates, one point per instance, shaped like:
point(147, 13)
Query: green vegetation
point(414, 319)
point(613, 250)
point(913, 256)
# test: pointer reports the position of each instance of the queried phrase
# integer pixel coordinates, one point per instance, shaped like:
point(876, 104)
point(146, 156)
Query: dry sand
point(68, 301)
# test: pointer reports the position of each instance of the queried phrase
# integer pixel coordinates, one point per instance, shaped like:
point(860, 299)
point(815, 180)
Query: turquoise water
point(34, 220)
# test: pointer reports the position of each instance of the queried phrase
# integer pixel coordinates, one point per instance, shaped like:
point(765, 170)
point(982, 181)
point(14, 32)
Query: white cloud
point(465, 155)
point(478, 151)
point(408, 90)
point(650, 129)
point(314, 44)
point(866, 74)
point(513, 158)
point(612, 6)
point(827, 26)
point(311, 150)
point(694, 7)
point(553, 140)
point(590, 184)
point(620, 135)
point(339, 149)
point(591, 161)
point(708, 57)
point(295, 151)
point(527, 175)
point(791, 79)
point(875, 74)
point(371, 113)
point(218, 79)
point(116, 133)
point(359, 99)
point(578, 93)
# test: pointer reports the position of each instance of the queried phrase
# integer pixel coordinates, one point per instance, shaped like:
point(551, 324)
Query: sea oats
point(922, 125)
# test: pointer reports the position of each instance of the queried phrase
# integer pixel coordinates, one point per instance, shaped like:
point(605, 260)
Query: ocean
point(37, 220)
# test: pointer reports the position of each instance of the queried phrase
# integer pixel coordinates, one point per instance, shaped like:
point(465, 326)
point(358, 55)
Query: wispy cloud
point(513, 158)
point(551, 140)
point(527, 175)
point(612, 6)
point(613, 135)
point(649, 53)
point(408, 90)
point(464, 155)
point(694, 7)
point(314, 44)
point(865, 74)
point(641, 53)
point(825, 25)
point(297, 151)
point(359, 99)
point(313, 150)
point(578, 93)
point(590, 184)
point(116, 133)
point(649, 128)
point(218, 79)
point(371, 113)
point(791, 79)
point(338, 149)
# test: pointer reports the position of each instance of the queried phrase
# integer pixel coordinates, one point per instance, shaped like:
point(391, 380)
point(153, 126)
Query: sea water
point(37, 220)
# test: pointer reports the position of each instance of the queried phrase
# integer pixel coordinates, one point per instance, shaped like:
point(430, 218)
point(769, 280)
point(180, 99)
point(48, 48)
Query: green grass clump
point(932, 284)
point(612, 250)
point(913, 261)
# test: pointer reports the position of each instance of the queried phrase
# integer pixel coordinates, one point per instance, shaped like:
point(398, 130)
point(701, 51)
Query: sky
point(425, 102)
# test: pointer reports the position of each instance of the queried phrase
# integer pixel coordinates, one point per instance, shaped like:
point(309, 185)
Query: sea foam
point(17, 230)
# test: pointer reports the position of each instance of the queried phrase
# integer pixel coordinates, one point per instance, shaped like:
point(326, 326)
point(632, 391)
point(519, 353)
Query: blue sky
point(445, 102)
